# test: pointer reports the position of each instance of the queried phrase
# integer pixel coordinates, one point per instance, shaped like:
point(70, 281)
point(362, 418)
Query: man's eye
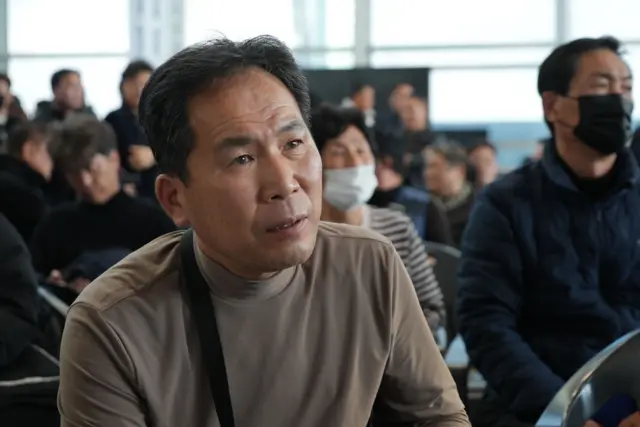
point(292, 145)
point(243, 160)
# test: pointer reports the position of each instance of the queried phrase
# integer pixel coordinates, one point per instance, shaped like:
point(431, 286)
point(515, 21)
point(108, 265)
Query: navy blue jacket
point(548, 278)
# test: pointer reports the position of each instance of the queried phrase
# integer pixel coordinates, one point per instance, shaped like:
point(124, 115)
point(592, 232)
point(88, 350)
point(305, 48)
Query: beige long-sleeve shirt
point(310, 347)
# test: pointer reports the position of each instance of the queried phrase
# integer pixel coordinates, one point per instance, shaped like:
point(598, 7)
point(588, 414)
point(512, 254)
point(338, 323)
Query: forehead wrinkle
point(269, 115)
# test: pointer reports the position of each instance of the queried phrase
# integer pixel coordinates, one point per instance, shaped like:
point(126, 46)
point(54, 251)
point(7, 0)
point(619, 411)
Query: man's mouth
point(290, 222)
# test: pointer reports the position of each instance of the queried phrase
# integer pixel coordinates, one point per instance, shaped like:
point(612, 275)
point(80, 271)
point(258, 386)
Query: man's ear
point(114, 156)
point(170, 193)
point(549, 101)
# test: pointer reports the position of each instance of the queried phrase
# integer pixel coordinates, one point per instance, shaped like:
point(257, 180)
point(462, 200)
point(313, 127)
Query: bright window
point(461, 22)
point(458, 57)
point(326, 60)
point(591, 18)
point(239, 20)
point(31, 80)
point(316, 23)
point(68, 26)
point(633, 59)
point(482, 96)
point(340, 20)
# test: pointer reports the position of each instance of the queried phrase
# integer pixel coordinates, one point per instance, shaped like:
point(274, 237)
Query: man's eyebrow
point(610, 76)
point(234, 142)
point(295, 125)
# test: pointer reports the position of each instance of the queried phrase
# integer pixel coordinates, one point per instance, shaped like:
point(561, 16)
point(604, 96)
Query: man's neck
point(584, 161)
point(452, 190)
point(106, 197)
point(352, 217)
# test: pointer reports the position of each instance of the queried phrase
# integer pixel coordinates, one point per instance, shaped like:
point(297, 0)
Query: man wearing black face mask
point(550, 269)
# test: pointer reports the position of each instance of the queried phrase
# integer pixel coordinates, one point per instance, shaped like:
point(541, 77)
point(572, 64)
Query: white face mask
point(347, 189)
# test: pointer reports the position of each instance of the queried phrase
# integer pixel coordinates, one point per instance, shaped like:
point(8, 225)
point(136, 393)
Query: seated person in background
point(350, 180)
point(483, 158)
point(24, 171)
point(18, 295)
point(415, 117)
point(363, 99)
point(11, 113)
point(105, 217)
point(426, 212)
point(68, 98)
point(550, 269)
point(399, 98)
point(135, 154)
point(446, 178)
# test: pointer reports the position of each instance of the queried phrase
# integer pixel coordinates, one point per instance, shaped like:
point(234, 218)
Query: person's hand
point(631, 421)
point(141, 157)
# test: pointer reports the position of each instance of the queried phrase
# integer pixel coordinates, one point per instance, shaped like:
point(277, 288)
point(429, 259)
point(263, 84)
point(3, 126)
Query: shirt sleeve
point(96, 374)
point(424, 280)
point(417, 388)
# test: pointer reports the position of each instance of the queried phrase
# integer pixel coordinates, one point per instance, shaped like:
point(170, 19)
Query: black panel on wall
point(335, 85)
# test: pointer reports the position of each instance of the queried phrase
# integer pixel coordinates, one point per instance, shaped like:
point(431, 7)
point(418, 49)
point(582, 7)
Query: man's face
point(70, 92)
point(132, 88)
point(400, 96)
point(365, 98)
point(347, 150)
point(414, 114)
point(600, 72)
point(4, 88)
point(439, 175)
point(484, 160)
point(100, 180)
point(254, 192)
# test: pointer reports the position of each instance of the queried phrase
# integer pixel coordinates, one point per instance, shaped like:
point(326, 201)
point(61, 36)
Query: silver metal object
point(613, 371)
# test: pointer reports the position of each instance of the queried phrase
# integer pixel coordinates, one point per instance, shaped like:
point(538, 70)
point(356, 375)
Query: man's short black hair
point(482, 144)
point(164, 112)
point(58, 76)
point(28, 131)
point(135, 68)
point(452, 152)
point(559, 68)
point(79, 140)
point(358, 87)
point(328, 122)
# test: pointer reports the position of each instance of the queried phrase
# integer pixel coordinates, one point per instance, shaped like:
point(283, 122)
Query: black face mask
point(605, 122)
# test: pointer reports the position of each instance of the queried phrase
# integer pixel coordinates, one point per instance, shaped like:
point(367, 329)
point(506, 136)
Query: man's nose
point(277, 178)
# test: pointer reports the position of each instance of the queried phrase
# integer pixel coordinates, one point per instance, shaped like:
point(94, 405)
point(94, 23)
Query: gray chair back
point(613, 371)
point(54, 302)
point(446, 271)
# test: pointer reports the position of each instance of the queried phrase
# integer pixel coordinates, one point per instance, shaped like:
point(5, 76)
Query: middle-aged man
point(315, 321)
point(550, 271)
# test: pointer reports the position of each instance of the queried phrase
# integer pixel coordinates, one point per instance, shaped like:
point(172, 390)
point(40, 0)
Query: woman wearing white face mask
point(349, 182)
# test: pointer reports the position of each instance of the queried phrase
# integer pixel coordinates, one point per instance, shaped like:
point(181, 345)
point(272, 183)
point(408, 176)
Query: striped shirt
point(399, 229)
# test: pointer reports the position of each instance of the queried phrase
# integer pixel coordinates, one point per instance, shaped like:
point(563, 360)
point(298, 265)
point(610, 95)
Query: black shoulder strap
point(205, 319)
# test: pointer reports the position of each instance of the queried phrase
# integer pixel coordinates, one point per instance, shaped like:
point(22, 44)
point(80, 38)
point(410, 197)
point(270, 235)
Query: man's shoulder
point(351, 239)
point(150, 265)
point(512, 185)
